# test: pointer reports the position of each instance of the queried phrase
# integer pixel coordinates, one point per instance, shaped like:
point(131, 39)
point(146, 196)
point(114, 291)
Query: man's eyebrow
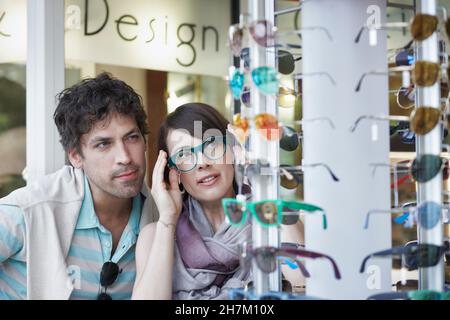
point(104, 139)
point(99, 139)
point(135, 130)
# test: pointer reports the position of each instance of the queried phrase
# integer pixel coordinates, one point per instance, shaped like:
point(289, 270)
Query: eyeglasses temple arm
point(392, 211)
point(444, 13)
point(356, 123)
point(315, 28)
point(337, 273)
point(373, 72)
point(363, 264)
point(333, 176)
point(358, 36)
point(300, 265)
point(299, 76)
point(379, 118)
point(303, 121)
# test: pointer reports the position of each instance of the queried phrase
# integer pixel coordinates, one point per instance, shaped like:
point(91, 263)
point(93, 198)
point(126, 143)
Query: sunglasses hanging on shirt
point(108, 275)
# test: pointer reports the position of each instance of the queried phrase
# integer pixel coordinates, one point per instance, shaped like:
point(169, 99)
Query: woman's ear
point(75, 158)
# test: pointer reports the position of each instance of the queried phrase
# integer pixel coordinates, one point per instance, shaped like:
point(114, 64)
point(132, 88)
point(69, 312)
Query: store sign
point(171, 35)
point(13, 31)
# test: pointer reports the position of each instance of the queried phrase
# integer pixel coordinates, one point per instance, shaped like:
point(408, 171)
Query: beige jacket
point(51, 207)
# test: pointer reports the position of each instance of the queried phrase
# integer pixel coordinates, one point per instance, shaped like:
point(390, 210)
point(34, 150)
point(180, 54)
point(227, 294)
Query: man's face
point(113, 157)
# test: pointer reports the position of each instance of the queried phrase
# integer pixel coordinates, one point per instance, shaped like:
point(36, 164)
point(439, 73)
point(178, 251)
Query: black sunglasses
point(415, 255)
point(108, 276)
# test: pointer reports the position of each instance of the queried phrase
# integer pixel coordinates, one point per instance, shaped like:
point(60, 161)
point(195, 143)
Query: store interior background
point(162, 91)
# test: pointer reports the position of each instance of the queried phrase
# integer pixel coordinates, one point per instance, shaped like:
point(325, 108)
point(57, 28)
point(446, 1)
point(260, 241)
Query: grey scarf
point(206, 263)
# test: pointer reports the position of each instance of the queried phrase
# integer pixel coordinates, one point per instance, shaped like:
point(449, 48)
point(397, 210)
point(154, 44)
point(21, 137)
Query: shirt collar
point(88, 219)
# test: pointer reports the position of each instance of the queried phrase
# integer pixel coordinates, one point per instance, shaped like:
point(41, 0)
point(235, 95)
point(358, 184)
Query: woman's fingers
point(158, 170)
point(173, 179)
point(155, 169)
point(162, 166)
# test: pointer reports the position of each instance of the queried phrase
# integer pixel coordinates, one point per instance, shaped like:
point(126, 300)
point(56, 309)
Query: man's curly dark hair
point(81, 106)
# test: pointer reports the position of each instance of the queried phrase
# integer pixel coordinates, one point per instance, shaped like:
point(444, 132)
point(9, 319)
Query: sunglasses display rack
point(430, 278)
point(350, 155)
point(263, 186)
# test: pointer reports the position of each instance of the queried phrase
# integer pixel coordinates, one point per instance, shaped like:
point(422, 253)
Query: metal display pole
point(264, 186)
point(431, 278)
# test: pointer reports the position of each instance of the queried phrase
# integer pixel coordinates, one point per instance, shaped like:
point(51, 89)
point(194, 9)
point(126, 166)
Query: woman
point(191, 252)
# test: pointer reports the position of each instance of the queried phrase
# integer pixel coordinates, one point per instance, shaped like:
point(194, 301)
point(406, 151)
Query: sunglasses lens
point(235, 39)
point(266, 259)
point(286, 62)
point(287, 97)
point(423, 26)
point(290, 217)
point(286, 286)
point(234, 212)
point(236, 83)
point(424, 119)
point(447, 27)
point(426, 167)
point(289, 139)
point(109, 273)
point(410, 257)
point(405, 97)
point(240, 127)
point(262, 33)
point(267, 212)
point(408, 137)
point(429, 213)
point(266, 79)
point(245, 97)
point(425, 73)
point(288, 183)
point(427, 255)
point(425, 295)
point(245, 55)
point(445, 171)
point(267, 125)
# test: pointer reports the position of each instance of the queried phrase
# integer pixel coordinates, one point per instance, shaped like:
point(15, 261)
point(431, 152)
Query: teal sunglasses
point(186, 159)
point(412, 295)
point(265, 78)
point(268, 212)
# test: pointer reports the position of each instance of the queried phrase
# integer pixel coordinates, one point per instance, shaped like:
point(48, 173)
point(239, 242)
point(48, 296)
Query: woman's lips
point(209, 180)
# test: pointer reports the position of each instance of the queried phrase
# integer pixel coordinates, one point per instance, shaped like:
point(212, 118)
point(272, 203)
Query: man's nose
point(122, 154)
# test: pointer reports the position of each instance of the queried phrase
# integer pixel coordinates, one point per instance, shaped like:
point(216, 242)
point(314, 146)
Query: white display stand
point(347, 154)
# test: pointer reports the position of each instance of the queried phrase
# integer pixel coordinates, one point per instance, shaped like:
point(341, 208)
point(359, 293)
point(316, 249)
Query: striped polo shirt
point(91, 247)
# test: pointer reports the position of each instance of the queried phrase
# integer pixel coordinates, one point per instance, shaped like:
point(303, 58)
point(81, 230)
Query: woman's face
point(210, 180)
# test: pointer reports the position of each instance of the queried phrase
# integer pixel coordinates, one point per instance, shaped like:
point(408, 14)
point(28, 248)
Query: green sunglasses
point(268, 212)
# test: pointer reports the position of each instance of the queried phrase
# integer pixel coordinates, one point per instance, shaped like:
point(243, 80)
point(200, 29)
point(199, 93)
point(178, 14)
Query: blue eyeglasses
point(186, 159)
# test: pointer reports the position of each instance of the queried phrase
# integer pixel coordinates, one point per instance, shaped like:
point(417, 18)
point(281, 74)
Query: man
point(72, 234)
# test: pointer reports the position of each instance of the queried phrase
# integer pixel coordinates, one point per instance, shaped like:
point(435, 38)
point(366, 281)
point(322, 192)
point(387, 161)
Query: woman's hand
point(167, 198)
